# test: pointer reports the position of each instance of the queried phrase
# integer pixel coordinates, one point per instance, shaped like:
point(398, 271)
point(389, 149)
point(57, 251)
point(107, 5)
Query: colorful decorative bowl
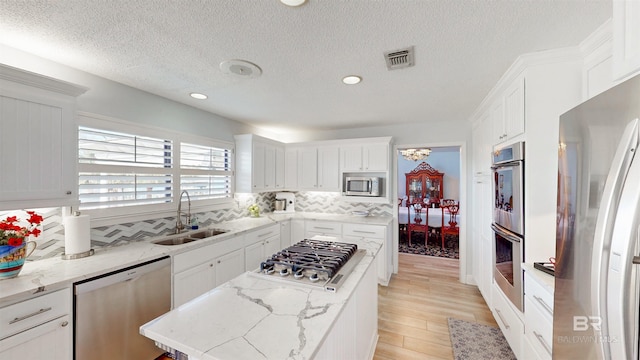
point(12, 259)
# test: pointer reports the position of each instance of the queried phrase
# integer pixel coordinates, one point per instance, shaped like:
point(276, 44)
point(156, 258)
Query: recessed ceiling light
point(351, 79)
point(198, 96)
point(293, 2)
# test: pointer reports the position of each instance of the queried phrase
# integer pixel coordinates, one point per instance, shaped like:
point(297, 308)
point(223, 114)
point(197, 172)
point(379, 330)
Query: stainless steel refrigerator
point(597, 282)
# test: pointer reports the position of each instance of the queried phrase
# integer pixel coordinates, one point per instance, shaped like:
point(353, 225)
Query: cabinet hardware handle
point(323, 228)
point(218, 261)
point(28, 316)
point(636, 259)
point(363, 232)
point(64, 323)
point(544, 343)
point(265, 234)
point(506, 325)
point(69, 192)
point(544, 305)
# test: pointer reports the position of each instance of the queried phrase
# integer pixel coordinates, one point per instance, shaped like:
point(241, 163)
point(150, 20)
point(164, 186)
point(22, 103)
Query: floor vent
point(399, 59)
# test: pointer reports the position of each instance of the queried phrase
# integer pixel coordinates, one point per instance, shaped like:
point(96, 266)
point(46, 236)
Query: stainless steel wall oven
point(508, 220)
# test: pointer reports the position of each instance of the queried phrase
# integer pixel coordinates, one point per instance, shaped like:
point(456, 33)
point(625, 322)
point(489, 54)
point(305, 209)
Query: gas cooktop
point(313, 262)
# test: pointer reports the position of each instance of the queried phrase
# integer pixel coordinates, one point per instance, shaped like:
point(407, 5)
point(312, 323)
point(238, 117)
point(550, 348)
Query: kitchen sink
point(207, 233)
point(189, 237)
point(174, 241)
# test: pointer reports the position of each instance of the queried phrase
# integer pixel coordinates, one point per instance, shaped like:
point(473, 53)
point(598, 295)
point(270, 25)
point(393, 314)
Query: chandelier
point(415, 154)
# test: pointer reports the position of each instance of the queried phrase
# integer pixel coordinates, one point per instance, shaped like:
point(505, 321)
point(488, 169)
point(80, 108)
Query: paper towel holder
point(78, 255)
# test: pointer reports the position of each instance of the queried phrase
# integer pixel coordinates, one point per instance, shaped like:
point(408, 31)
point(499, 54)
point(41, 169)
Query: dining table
point(435, 216)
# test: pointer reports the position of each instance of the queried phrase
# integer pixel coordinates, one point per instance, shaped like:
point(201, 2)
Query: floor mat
point(473, 341)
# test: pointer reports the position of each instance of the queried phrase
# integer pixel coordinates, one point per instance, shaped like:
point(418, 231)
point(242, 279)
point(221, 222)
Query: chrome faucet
point(179, 225)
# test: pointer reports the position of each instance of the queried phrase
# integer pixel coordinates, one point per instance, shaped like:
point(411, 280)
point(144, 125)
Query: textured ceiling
point(172, 48)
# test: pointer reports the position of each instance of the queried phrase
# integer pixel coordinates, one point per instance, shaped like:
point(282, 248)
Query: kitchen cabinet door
point(280, 168)
point(52, 340)
point(269, 167)
point(507, 112)
point(291, 169)
point(189, 284)
point(351, 158)
point(259, 166)
point(253, 256)
point(38, 141)
point(308, 169)
point(626, 39)
point(229, 266)
point(329, 168)
point(375, 157)
point(285, 234)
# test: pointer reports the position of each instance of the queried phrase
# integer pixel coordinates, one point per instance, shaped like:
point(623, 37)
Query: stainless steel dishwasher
point(110, 309)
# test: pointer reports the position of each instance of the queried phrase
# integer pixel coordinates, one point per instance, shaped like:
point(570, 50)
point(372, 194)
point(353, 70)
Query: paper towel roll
point(77, 234)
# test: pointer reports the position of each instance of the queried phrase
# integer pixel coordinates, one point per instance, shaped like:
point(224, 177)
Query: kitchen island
point(251, 317)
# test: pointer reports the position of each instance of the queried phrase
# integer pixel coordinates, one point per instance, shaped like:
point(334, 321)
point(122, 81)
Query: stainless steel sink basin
point(174, 241)
point(206, 233)
point(189, 237)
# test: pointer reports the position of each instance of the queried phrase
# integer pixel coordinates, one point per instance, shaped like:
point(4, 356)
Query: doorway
point(439, 175)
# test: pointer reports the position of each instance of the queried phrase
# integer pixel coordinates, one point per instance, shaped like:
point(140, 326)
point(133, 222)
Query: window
point(135, 171)
point(119, 169)
point(205, 171)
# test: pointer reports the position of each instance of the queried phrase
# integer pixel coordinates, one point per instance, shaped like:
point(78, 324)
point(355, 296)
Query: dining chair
point(450, 226)
point(415, 222)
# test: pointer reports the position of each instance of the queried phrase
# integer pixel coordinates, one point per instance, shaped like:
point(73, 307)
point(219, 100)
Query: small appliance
point(285, 203)
point(362, 186)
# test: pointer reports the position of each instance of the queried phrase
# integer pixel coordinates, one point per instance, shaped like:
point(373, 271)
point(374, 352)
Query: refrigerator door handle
point(609, 205)
point(622, 313)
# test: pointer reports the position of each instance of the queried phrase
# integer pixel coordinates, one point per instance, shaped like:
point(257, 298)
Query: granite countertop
point(251, 317)
point(54, 273)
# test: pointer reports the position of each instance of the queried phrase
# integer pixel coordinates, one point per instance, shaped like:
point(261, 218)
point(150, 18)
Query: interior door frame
point(463, 276)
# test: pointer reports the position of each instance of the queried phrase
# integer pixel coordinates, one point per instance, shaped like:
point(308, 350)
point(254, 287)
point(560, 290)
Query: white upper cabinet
point(328, 168)
point(38, 140)
point(291, 168)
point(366, 157)
point(508, 112)
point(308, 168)
point(626, 38)
point(260, 164)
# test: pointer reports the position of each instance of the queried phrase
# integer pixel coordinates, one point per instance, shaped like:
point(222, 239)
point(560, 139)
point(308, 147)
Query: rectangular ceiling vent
point(399, 59)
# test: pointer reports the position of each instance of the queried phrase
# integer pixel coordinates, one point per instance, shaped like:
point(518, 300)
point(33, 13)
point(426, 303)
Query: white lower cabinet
point(358, 233)
point(260, 244)
point(38, 328)
point(508, 319)
point(318, 227)
point(355, 333)
point(285, 234)
point(538, 314)
point(197, 271)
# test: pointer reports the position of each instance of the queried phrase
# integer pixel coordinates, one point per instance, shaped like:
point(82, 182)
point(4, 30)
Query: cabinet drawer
point(32, 312)
point(198, 256)
point(539, 331)
point(262, 234)
point(323, 227)
point(509, 322)
point(539, 297)
point(368, 231)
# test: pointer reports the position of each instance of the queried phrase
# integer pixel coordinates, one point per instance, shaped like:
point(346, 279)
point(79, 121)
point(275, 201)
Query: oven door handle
point(514, 163)
point(505, 233)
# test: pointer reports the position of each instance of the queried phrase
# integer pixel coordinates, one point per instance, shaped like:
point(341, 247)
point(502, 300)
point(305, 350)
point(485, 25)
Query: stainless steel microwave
point(363, 186)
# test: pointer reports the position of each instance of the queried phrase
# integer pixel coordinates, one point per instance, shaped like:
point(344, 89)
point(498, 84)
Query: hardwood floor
point(413, 309)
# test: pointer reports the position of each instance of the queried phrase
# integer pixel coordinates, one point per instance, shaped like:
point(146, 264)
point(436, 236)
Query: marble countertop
point(255, 318)
point(54, 273)
point(546, 280)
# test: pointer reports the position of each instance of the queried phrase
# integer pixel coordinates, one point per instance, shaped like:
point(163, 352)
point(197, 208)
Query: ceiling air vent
point(399, 59)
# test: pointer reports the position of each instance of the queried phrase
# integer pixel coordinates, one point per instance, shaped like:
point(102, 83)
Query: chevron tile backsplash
point(51, 241)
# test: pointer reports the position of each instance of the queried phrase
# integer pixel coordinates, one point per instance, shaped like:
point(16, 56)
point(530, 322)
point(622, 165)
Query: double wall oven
point(508, 220)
